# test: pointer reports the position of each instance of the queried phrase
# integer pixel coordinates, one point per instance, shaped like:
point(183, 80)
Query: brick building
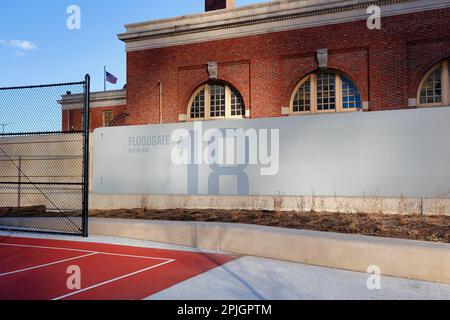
point(108, 108)
point(281, 58)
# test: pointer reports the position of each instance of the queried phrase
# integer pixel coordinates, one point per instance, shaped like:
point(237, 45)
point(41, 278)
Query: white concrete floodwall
point(390, 161)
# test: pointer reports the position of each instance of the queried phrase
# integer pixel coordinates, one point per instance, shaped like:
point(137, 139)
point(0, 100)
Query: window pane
point(237, 104)
point(217, 101)
point(351, 98)
point(302, 100)
point(198, 106)
point(326, 91)
point(431, 91)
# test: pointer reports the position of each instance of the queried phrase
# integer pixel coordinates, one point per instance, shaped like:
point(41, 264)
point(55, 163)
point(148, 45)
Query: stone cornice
point(100, 99)
point(263, 18)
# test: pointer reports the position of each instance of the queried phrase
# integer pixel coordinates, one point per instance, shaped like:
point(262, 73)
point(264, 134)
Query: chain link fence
point(44, 163)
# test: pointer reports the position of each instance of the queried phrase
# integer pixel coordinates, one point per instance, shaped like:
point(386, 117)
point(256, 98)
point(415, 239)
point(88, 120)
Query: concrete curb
point(396, 257)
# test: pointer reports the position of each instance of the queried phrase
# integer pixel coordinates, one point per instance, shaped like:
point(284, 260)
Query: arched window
point(325, 92)
point(216, 101)
point(434, 89)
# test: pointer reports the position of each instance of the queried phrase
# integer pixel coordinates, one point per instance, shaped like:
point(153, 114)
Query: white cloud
point(22, 45)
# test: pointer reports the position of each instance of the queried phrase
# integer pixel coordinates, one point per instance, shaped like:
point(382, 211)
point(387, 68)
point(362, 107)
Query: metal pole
point(160, 102)
point(86, 128)
point(104, 78)
point(19, 186)
point(4, 125)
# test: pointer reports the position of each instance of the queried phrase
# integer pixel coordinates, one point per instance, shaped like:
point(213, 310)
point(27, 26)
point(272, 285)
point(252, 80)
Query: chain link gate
point(44, 163)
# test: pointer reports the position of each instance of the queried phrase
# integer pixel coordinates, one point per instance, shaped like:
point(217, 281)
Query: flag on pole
point(110, 78)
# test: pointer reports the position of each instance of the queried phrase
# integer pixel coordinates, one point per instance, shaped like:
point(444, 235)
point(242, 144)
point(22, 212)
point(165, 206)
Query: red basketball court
point(40, 269)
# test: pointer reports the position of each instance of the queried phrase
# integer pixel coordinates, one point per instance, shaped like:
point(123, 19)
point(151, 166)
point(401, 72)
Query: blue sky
point(36, 47)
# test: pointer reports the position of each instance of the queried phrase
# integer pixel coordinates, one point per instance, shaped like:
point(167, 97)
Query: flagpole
point(104, 78)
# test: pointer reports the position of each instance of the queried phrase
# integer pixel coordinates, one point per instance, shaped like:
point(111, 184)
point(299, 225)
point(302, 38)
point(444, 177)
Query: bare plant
point(313, 202)
point(278, 205)
point(144, 201)
point(301, 204)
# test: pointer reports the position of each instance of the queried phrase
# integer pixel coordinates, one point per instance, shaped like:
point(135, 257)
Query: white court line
point(46, 265)
point(112, 280)
point(84, 251)
point(89, 253)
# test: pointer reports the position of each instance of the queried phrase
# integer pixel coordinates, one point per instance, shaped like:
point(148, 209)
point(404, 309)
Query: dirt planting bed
point(415, 227)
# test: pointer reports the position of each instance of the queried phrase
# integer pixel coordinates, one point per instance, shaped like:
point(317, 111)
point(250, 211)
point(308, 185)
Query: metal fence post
point(19, 185)
point(86, 131)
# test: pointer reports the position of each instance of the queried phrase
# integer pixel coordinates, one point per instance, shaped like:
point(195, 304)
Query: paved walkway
point(256, 278)
point(263, 279)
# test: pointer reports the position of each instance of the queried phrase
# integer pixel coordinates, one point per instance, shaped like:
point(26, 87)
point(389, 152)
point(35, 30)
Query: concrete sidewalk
point(262, 279)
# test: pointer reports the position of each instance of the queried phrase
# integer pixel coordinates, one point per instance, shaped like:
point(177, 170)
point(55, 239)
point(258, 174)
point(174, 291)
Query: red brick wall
point(385, 64)
point(71, 119)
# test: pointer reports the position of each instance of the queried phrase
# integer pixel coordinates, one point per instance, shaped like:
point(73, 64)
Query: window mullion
point(207, 102)
point(313, 93)
point(338, 93)
point(227, 102)
point(445, 83)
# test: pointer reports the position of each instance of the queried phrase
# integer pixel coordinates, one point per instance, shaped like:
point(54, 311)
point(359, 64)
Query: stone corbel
point(213, 70)
point(322, 58)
